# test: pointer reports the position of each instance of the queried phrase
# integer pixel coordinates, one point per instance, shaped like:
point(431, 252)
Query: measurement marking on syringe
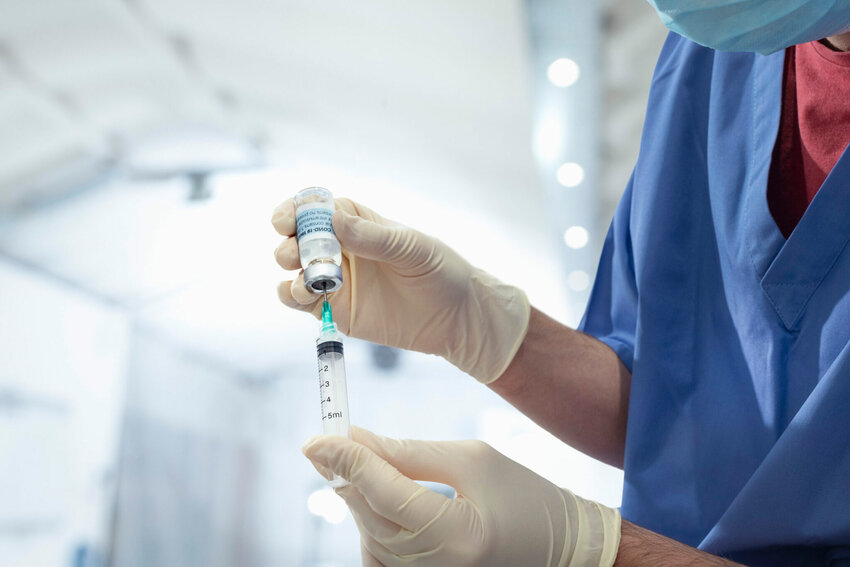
point(329, 353)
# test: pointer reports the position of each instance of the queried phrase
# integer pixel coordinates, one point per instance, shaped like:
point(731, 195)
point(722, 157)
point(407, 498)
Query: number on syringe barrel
point(332, 393)
point(324, 394)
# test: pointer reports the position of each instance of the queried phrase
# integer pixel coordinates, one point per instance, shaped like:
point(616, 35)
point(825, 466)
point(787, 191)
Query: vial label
point(313, 223)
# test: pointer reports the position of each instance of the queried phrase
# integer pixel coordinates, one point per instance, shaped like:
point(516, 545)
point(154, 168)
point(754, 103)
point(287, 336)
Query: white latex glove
point(405, 289)
point(504, 515)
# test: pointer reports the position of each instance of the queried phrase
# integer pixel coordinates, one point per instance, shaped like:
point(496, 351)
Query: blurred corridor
point(154, 394)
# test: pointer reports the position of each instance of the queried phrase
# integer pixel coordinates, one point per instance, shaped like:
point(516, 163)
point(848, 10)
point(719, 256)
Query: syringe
point(332, 389)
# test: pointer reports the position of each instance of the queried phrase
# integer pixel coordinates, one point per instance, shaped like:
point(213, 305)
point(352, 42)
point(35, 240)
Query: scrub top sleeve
point(611, 312)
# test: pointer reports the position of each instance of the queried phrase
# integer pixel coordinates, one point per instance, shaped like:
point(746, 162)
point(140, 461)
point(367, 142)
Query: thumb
point(388, 493)
point(456, 463)
point(370, 240)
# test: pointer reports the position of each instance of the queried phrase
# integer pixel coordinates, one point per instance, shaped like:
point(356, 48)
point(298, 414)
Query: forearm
point(571, 384)
point(642, 548)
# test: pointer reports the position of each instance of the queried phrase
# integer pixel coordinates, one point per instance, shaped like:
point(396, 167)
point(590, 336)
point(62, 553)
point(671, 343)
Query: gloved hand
point(504, 515)
point(405, 289)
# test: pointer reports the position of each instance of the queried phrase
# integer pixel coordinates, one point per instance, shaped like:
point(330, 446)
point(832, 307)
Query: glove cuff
point(498, 316)
point(597, 534)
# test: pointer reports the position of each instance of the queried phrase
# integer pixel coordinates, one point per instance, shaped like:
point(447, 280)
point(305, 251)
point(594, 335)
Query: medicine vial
point(319, 250)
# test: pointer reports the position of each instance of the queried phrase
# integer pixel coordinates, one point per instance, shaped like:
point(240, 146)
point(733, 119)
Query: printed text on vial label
point(314, 222)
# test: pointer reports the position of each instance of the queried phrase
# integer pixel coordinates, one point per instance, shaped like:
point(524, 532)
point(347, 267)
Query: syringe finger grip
point(328, 347)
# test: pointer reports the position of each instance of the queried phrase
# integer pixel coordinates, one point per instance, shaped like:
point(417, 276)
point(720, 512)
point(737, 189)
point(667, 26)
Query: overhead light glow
point(549, 142)
point(576, 237)
point(578, 280)
point(570, 174)
point(326, 504)
point(563, 72)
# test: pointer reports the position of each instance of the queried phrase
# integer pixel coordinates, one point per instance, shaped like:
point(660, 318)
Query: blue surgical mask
point(764, 26)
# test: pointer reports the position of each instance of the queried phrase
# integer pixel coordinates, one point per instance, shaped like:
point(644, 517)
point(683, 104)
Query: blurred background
point(154, 394)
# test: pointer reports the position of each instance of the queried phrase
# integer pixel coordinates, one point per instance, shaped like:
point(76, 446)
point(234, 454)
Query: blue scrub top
point(738, 436)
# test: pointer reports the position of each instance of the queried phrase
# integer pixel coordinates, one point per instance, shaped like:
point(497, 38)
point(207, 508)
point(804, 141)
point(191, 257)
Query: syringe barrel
point(333, 392)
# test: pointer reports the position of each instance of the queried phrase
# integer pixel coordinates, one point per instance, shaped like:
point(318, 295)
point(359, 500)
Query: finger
point(374, 524)
point(287, 256)
point(324, 471)
point(376, 550)
point(301, 294)
point(448, 462)
point(327, 473)
point(368, 239)
point(321, 469)
point(284, 293)
point(283, 218)
point(394, 537)
point(355, 208)
point(293, 294)
point(388, 492)
point(367, 559)
point(426, 557)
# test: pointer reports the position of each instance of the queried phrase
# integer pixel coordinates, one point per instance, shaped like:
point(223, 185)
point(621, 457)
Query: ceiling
point(86, 83)
point(422, 110)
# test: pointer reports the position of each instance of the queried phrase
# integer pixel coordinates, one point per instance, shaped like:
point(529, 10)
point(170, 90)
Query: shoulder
point(686, 67)
point(693, 85)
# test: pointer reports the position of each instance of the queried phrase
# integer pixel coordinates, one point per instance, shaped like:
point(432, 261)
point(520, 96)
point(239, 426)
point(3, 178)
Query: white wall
point(62, 367)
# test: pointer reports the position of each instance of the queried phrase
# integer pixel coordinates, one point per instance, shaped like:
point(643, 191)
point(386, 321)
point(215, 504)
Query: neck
point(839, 42)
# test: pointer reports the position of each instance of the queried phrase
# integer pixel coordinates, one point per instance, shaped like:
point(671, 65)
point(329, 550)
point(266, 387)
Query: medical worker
point(713, 362)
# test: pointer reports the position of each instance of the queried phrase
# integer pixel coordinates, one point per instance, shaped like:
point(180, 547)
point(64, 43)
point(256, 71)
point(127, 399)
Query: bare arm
point(577, 388)
point(642, 548)
point(571, 384)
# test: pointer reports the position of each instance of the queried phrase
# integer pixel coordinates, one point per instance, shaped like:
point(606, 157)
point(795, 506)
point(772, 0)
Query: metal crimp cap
point(323, 276)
